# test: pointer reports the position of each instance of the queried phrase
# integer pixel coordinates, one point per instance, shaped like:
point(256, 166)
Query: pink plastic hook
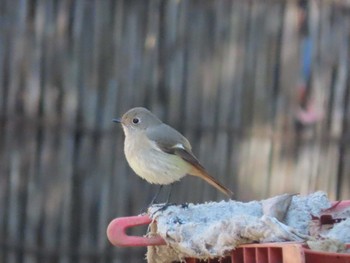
point(116, 232)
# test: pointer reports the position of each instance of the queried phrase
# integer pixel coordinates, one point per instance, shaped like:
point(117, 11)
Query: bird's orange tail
point(212, 181)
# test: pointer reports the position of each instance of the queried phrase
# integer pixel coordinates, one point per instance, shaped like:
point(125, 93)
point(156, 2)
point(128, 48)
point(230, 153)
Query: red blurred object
point(313, 256)
point(326, 216)
point(116, 232)
point(277, 253)
point(338, 206)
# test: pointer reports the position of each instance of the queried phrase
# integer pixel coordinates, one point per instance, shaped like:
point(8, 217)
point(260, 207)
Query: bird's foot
point(162, 207)
point(184, 205)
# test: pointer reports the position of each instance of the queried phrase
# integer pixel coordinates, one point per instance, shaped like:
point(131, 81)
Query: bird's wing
point(171, 141)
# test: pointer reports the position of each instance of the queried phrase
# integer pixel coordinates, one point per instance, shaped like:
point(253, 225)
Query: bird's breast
point(151, 163)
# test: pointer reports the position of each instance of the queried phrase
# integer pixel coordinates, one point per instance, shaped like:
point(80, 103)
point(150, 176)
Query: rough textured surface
point(340, 231)
point(302, 207)
point(160, 254)
point(212, 229)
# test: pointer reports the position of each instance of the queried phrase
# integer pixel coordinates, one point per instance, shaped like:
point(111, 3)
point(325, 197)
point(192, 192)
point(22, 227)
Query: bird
point(159, 153)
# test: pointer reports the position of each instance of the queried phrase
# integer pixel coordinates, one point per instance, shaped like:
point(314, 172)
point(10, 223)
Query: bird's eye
point(135, 120)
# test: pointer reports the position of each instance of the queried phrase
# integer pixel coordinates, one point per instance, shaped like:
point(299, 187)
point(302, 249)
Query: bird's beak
point(117, 120)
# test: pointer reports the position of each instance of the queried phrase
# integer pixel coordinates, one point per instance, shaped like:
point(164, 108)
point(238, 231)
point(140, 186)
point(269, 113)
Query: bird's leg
point(156, 196)
point(169, 194)
point(144, 209)
point(167, 204)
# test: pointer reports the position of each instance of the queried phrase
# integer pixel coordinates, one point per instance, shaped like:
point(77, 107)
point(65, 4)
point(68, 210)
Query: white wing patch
point(179, 145)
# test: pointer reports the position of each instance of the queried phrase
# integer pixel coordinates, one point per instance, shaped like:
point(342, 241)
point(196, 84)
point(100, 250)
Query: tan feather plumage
point(200, 172)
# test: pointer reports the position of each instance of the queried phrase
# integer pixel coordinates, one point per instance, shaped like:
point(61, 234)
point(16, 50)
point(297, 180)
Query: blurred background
point(260, 88)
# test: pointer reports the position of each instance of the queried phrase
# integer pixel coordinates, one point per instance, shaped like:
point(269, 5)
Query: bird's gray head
point(137, 119)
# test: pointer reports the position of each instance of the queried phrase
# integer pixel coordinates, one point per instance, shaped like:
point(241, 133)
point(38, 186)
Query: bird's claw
point(162, 207)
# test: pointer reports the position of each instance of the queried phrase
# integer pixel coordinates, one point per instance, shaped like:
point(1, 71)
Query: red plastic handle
point(116, 232)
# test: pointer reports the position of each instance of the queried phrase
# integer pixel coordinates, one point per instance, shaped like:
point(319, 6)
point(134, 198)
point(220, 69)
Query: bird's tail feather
point(212, 181)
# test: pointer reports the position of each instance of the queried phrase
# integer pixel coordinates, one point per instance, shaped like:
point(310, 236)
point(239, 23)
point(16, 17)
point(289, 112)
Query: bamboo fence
point(240, 79)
